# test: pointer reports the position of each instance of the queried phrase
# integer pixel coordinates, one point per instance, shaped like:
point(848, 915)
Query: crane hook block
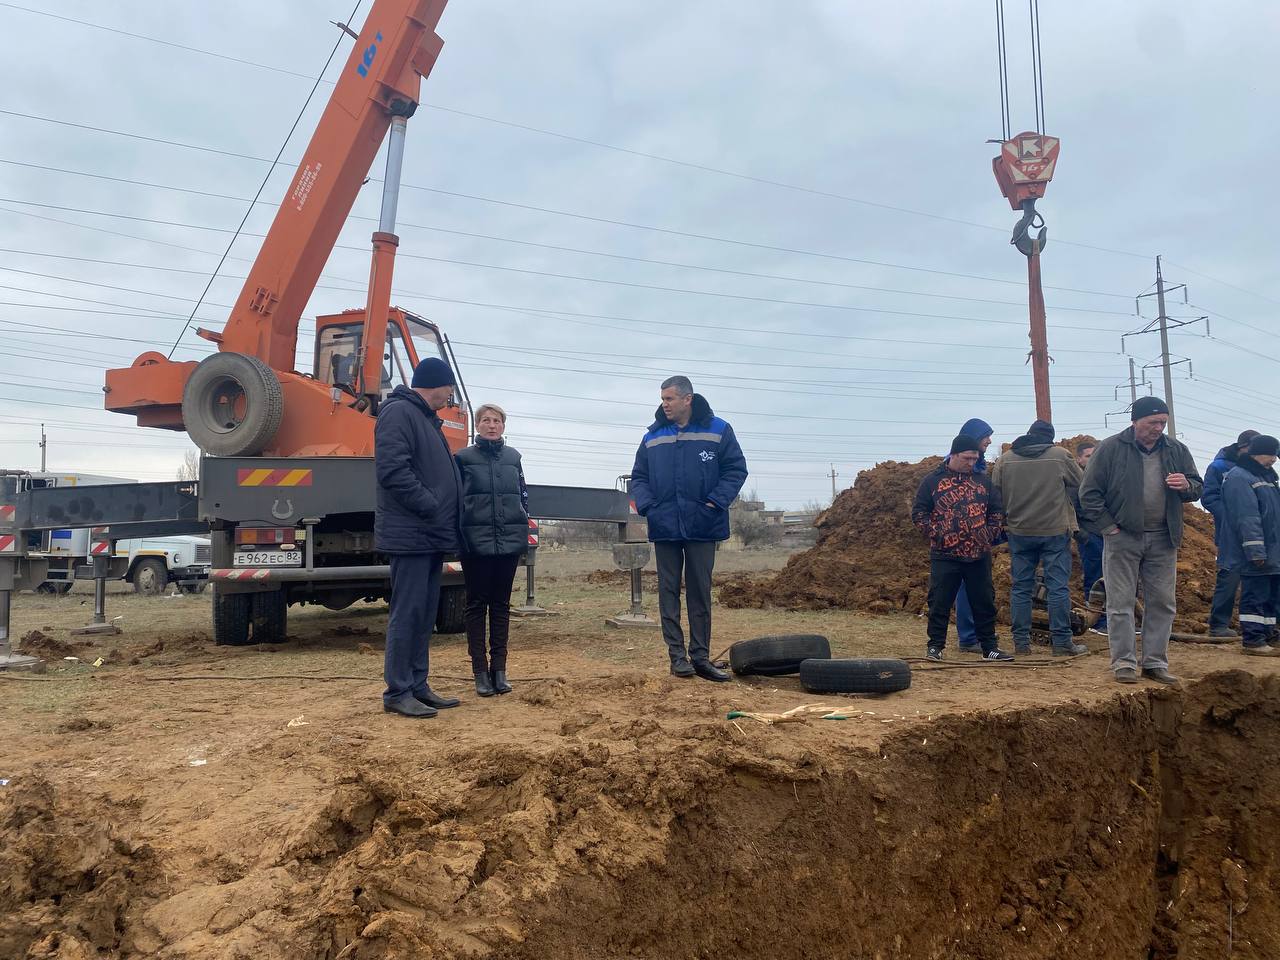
point(1025, 167)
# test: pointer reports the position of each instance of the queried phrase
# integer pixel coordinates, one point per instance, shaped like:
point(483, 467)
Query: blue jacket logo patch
point(706, 456)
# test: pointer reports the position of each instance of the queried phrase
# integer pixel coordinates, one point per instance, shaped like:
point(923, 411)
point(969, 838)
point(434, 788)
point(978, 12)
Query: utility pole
point(1164, 323)
point(833, 482)
point(44, 449)
point(1133, 383)
point(1164, 348)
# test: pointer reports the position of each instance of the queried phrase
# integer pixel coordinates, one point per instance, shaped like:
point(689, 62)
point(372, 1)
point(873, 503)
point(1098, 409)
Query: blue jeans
point(1025, 554)
point(966, 631)
point(1091, 570)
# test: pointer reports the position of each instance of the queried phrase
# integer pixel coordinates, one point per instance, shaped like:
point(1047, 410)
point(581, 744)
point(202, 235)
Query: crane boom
point(379, 82)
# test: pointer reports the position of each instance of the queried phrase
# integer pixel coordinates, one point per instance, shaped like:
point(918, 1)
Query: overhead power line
point(538, 209)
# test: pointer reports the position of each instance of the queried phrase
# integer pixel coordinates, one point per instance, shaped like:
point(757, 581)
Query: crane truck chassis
point(284, 531)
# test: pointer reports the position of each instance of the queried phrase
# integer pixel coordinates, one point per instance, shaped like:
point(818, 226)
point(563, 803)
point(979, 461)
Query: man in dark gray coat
point(1133, 492)
point(417, 523)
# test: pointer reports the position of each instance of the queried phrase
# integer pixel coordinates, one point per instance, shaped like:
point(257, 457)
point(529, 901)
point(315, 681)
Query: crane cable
point(1037, 63)
point(1002, 63)
point(1037, 68)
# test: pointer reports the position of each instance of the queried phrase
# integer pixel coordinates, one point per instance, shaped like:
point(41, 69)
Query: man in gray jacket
point(1133, 492)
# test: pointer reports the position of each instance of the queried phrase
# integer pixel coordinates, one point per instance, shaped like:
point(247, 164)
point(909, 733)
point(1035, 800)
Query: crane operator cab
point(339, 338)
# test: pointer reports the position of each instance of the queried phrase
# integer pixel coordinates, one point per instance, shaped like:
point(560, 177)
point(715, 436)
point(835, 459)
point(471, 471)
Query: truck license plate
point(269, 558)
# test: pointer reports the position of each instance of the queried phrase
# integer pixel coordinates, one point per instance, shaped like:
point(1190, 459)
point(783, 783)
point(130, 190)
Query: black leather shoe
point(1159, 675)
point(408, 706)
point(500, 684)
point(484, 684)
point(433, 699)
point(708, 671)
point(682, 668)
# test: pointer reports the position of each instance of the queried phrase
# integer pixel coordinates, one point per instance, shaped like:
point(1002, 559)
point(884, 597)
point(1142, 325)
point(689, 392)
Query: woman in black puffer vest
point(495, 532)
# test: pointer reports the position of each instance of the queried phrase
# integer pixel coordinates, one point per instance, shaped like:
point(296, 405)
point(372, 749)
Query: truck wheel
point(58, 587)
point(270, 617)
point(232, 405)
point(149, 577)
point(855, 676)
point(231, 618)
point(777, 656)
point(451, 614)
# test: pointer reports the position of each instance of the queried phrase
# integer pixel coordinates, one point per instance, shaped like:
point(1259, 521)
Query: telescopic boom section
point(380, 82)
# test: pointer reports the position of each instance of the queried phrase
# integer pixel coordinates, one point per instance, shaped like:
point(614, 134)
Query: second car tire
point(855, 676)
point(451, 613)
point(776, 656)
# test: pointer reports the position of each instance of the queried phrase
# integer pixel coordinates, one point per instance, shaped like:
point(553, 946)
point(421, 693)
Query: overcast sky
point(898, 325)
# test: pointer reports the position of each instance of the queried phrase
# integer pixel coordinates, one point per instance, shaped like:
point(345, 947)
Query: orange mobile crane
point(286, 487)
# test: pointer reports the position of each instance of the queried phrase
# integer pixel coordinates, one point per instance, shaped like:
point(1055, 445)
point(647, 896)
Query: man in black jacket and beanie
point(417, 523)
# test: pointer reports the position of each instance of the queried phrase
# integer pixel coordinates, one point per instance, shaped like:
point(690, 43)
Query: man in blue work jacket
point(688, 470)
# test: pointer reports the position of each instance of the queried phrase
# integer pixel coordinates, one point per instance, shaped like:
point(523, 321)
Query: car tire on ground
point(855, 676)
point(451, 613)
point(57, 587)
point(149, 577)
point(231, 618)
point(269, 617)
point(232, 405)
point(777, 656)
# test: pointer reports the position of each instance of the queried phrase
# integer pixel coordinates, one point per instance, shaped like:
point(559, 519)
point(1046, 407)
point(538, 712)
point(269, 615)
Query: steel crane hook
point(1022, 230)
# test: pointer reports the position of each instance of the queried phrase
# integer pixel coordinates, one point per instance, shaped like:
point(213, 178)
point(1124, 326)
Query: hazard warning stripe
point(241, 573)
point(100, 549)
point(262, 477)
point(8, 513)
point(8, 543)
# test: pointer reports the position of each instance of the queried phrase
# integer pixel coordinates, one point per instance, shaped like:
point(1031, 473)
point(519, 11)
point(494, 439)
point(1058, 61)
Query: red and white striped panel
point(453, 567)
point(533, 532)
point(101, 542)
point(241, 573)
point(8, 513)
point(8, 543)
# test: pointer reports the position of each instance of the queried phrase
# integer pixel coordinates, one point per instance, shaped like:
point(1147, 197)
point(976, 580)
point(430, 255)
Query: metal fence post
point(530, 607)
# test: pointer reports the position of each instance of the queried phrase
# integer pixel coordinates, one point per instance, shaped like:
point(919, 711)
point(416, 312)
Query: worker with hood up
point(966, 632)
point(1227, 587)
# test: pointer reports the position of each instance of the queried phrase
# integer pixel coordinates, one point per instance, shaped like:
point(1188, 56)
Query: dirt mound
point(67, 875)
point(38, 643)
point(621, 578)
point(869, 556)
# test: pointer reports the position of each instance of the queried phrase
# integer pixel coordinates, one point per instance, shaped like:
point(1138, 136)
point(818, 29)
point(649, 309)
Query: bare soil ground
point(189, 801)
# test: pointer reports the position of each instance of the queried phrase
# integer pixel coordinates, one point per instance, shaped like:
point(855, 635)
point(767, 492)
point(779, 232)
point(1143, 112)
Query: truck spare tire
point(855, 676)
point(776, 656)
point(232, 405)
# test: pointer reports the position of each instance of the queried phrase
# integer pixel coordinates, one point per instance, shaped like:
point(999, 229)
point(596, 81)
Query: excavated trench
point(1144, 827)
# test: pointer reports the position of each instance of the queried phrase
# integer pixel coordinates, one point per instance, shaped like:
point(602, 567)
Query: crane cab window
point(426, 339)
point(397, 363)
point(338, 358)
point(336, 354)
